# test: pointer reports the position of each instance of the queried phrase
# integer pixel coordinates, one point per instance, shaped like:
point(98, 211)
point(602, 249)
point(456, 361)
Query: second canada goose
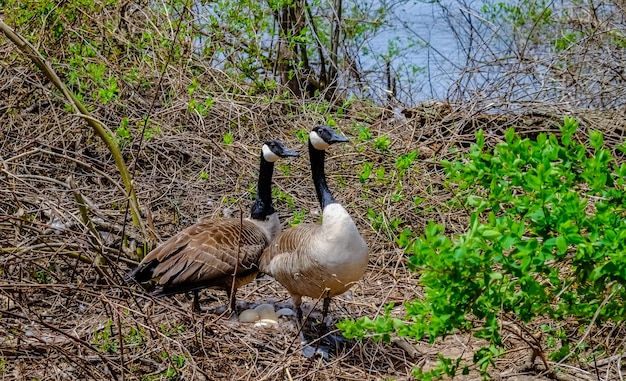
point(318, 260)
point(217, 253)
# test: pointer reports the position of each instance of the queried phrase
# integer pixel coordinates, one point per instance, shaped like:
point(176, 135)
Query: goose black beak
point(287, 152)
point(336, 137)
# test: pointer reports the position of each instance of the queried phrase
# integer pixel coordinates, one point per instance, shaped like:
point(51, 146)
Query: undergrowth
point(546, 239)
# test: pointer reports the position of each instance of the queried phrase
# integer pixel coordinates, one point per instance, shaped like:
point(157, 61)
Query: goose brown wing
point(204, 255)
point(292, 243)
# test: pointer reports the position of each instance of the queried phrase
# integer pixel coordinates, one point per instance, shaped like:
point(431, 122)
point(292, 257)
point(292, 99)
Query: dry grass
point(66, 313)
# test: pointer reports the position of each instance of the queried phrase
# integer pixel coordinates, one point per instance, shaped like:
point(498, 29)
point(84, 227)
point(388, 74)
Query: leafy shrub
point(546, 238)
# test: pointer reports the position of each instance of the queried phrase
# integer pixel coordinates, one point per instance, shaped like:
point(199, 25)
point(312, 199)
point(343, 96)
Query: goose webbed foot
point(227, 312)
point(324, 345)
point(310, 350)
point(324, 342)
point(335, 341)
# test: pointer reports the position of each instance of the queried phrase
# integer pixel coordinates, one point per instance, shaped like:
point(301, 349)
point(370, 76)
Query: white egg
point(249, 316)
point(264, 323)
point(266, 311)
point(285, 312)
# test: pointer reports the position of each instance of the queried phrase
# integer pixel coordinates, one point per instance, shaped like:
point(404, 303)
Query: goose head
point(275, 149)
point(321, 137)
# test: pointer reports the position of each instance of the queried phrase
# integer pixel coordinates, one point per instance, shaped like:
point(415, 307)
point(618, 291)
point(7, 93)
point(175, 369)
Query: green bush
point(546, 238)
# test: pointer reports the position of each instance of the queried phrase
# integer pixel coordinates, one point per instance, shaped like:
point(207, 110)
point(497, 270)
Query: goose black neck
point(262, 207)
point(319, 178)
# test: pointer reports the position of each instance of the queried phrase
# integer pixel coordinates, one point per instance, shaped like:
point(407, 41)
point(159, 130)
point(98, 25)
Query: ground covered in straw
point(67, 314)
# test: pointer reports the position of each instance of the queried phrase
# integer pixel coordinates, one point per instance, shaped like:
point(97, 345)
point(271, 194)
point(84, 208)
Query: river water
point(434, 59)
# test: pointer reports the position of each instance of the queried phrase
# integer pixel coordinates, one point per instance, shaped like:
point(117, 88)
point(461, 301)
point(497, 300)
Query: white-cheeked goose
point(318, 260)
point(217, 253)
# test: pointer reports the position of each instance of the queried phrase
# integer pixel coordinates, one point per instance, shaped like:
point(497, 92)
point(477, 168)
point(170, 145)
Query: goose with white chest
point(217, 253)
point(318, 260)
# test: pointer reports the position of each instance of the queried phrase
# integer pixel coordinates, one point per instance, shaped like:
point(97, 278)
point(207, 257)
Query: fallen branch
point(99, 128)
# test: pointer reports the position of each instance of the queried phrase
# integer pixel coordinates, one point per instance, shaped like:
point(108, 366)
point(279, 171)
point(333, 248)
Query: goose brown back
point(205, 255)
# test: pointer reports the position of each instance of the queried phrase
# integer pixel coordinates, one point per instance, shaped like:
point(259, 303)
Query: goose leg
point(299, 315)
point(196, 301)
point(308, 350)
point(232, 301)
point(297, 302)
point(331, 340)
point(323, 327)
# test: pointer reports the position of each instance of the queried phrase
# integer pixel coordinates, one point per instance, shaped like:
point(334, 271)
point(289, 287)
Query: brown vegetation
point(66, 313)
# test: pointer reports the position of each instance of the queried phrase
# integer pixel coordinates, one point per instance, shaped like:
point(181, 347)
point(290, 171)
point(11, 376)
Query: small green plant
point(42, 276)
point(230, 200)
point(381, 224)
point(281, 196)
point(134, 337)
point(108, 93)
point(404, 162)
point(382, 143)
point(298, 217)
point(285, 169)
point(104, 339)
point(364, 134)
point(546, 238)
point(417, 201)
point(567, 40)
point(174, 362)
point(396, 196)
point(149, 132)
point(122, 134)
point(204, 176)
point(172, 331)
point(228, 138)
point(365, 172)
point(3, 365)
point(179, 361)
point(302, 135)
point(381, 176)
point(202, 108)
point(557, 342)
point(376, 219)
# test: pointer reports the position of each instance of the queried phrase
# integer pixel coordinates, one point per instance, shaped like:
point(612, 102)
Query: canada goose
point(210, 252)
point(318, 260)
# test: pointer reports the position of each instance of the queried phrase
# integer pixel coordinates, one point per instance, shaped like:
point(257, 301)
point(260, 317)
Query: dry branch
point(81, 111)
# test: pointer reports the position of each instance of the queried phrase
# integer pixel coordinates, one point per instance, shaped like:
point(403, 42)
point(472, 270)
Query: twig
point(232, 286)
point(82, 112)
point(78, 340)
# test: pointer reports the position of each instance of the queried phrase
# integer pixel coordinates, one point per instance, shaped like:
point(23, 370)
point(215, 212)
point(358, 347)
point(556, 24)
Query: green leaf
point(492, 234)
point(561, 244)
point(596, 139)
point(480, 139)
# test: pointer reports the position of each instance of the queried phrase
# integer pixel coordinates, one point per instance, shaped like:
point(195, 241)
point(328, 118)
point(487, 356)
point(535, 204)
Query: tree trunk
point(291, 56)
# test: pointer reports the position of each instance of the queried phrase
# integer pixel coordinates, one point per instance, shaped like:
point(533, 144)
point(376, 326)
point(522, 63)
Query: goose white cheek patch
point(268, 154)
point(317, 141)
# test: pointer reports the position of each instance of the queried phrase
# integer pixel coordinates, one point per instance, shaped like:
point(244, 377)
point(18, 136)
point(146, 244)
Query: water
point(426, 45)
point(428, 29)
point(464, 56)
point(428, 57)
